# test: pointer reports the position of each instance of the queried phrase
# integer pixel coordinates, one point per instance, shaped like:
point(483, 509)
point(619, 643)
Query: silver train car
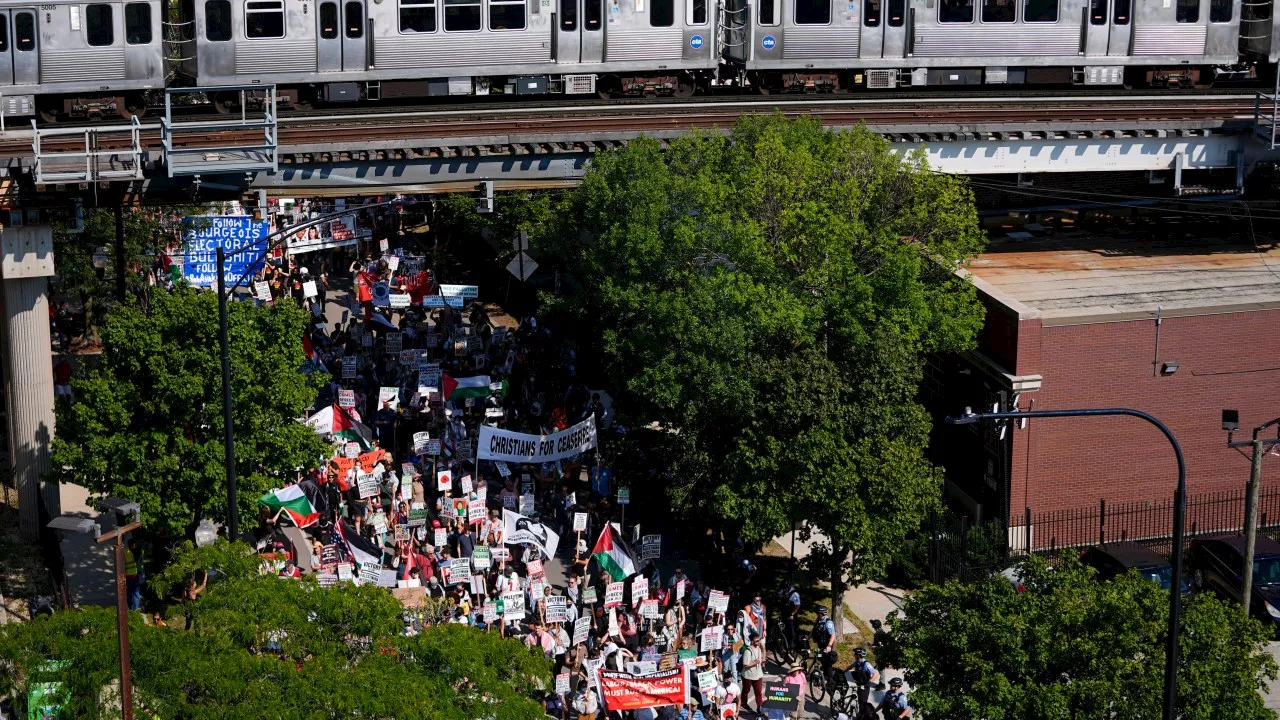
point(806, 45)
point(89, 60)
point(354, 50)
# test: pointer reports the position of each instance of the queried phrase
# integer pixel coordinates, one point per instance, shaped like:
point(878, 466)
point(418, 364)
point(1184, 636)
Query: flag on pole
point(456, 389)
point(294, 500)
point(336, 421)
point(361, 550)
point(613, 555)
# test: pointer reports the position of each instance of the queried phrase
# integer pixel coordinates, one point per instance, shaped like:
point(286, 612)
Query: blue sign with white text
point(695, 42)
point(768, 42)
point(238, 235)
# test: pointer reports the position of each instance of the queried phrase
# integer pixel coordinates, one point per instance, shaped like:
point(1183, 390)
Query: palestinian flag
point(361, 550)
point(457, 389)
point(613, 555)
point(295, 501)
point(336, 421)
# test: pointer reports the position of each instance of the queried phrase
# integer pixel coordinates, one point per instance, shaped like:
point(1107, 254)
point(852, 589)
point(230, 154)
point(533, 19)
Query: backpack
point(822, 632)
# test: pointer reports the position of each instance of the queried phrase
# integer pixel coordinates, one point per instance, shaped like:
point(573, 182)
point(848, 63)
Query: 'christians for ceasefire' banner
point(496, 444)
point(624, 691)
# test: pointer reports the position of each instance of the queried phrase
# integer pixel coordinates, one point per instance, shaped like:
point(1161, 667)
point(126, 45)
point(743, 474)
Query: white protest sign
point(420, 440)
point(500, 554)
point(497, 444)
point(579, 522)
point(370, 573)
point(593, 671)
point(309, 289)
point(649, 609)
point(712, 638)
point(466, 484)
point(639, 590)
point(643, 667)
point(513, 606)
point(475, 511)
point(351, 450)
point(706, 680)
point(464, 291)
point(613, 594)
point(440, 537)
point(344, 572)
point(480, 558)
point(557, 609)
point(399, 300)
point(389, 397)
point(347, 398)
point(444, 481)
point(490, 612)
point(395, 342)
point(718, 601)
point(503, 469)
point(526, 505)
point(262, 290)
point(651, 547)
point(368, 484)
point(562, 683)
point(581, 629)
point(349, 367)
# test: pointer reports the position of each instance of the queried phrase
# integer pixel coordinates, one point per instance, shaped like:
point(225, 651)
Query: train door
point(1121, 27)
point(895, 17)
point(1097, 27)
point(354, 43)
point(329, 36)
point(19, 49)
point(579, 31)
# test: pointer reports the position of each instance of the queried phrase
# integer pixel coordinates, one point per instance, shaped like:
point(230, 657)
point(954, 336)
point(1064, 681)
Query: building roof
point(1069, 277)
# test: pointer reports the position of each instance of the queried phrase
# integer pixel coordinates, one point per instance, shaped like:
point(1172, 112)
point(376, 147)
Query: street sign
point(522, 266)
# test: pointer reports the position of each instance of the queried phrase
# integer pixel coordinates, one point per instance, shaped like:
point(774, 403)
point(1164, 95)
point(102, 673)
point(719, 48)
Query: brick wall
point(1225, 361)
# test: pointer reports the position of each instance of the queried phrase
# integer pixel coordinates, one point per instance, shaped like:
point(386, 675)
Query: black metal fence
point(959, 549)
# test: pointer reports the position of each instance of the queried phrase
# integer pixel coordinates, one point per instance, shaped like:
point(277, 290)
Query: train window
point(1187, 11)
point(662, 13)
point(506, 14)
point(264, 19)
point(594, 14)
point(897, 11)
point(354, 12)
point(1097, 12)
point(24, 31)
point(417, 16)
point(997, 11)
point(568, 15)
point(461, 15)
point(1040, 11)
point(697, 12)
point(955, 11)
point(1220, 10)
point(4, 33)
point(1120, 14)
point(217, 20)
point(871, 13)
point(767, 16)
point(97, 25)
point(329, 20)
point(813, 12)
point(137, 23)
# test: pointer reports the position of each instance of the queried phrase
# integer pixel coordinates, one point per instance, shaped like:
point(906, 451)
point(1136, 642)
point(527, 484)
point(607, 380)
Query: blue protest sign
point(239, 235)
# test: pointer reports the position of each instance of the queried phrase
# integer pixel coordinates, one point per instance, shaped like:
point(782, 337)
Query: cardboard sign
point(349, 367)
point(613, 595)
point(309, 289)
point(347, 398)
point(579, 522)
point(395, 342)
point(781, 696)
point(513, 606)
point(368, 485)
point(557, 609)
point(581, 629)
point(444, 481)
point(651, 547)
point(389, 397)
point(562, 683)
point(351, 450)
point(480, 558)
point(712, 638)
point(639, 590)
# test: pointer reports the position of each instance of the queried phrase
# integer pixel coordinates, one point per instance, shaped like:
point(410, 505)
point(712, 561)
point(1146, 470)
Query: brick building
point(1179, 329)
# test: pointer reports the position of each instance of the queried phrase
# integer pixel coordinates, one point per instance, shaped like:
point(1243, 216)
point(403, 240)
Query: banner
point(520, 530)
point(336, 232)
point(239, 235)
point(624, 691)
point(496, 444)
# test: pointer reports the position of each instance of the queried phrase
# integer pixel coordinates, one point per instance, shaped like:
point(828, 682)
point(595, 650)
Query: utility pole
point(1259, 447)
point(120, 269)
point(122, 617)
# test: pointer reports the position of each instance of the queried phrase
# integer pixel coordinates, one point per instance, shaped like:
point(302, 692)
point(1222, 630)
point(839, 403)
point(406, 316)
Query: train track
point(313, 133)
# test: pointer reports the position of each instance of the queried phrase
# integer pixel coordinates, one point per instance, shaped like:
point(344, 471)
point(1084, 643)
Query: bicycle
point(816, 676)
point(779, 645)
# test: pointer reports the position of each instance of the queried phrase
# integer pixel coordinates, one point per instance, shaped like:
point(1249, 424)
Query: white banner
point(520, 530)
point(496, 444)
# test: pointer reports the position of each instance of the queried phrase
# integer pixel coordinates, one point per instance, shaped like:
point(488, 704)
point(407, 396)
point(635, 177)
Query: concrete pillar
point(26, 262)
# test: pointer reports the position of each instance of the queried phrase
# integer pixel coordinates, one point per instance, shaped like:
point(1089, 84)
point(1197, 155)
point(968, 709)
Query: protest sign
point(433, 447)
point(534, 568)
point(624, 496)
point(613, 594)
point(368, 484)
point(370, 573)
point(717, 601)
point(381, 294)
point(420, 440)
point(344, 572)
point(401, 534)
point(589, 596)
point(513, 606)
point(639, 590)
point(593, 666)
point(520, 530)
point(490, 611)
point(309, 289)
point(349, 367)
point(389, 397)
point(781, 696)
point(706, 680)
point(440, 537)
point(500, 554)
point(395, 342)
point(475, 512)
point(470, 292)
point(503, 469)
point(712, 638)
point(262, 290)
point(327, 579)
point(497, 444)
point(407, 357)
point(351, 450)
point(649, 609)
point(642, 667)
point(579, 522)
point(464, 449)
point(480, 558)
point(537, 590)
point(239, 235)
point(651, 547)
point(478, 585)
point(347, 398)
point(417, 515)
point(624, 691)
point(581, 629)
point(444, 481)
point(399, 300)
point(329, 556)
point(557, 609)
point(562, 683)
point(526, 505)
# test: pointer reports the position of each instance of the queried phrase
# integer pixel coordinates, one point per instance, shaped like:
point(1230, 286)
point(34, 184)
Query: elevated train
point(68, 58)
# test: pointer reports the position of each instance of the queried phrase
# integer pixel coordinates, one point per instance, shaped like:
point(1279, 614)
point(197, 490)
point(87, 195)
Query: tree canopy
point(770, 297)
point(1073, 647)
point(147, 421)
point(260, 646)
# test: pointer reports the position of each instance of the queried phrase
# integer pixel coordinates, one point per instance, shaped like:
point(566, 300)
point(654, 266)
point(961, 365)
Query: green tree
point(1073, 647)
point(147, 422)
point(769, 297)
point(262, 646)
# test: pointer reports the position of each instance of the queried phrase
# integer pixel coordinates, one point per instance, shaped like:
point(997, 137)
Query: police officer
point(823, 636)
point(894, 705)
point(865, 675)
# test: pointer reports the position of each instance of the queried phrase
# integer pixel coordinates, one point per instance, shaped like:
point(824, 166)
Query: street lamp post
point(1179, 520)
